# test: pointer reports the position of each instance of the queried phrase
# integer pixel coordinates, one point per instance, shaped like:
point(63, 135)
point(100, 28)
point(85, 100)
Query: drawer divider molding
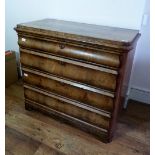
point(81, 121)
point(70, 61)
point(100, 112)
point(96, 90)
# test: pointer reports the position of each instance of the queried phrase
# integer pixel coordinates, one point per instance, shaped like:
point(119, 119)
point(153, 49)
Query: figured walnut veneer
point(77, 73)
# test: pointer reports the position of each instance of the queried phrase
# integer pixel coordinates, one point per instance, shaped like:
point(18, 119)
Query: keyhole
point(62, 46)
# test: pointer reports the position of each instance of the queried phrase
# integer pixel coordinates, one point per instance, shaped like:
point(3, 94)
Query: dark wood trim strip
point(110, 94)
point(70, 61)
point(65, 115)
point(75, 103)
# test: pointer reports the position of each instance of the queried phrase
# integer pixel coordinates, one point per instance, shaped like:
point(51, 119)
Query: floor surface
point(32, 133)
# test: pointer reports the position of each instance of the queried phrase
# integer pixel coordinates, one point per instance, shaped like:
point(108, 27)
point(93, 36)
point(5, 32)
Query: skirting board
point(139, 95)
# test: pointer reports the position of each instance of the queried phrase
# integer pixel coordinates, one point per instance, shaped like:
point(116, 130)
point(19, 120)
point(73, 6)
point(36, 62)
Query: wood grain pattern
point(69, 109)
point(46, 150)
point(93, 34)
point(86, 87)
point(15, 143)
point(76, 72)
point(69, 91)
point(33, 133)
point(103, 58)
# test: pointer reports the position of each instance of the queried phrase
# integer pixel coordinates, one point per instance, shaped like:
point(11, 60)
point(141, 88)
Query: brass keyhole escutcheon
point(62, 46)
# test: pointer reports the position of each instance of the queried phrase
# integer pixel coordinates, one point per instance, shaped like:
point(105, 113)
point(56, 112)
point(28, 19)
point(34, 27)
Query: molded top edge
point(81, 31)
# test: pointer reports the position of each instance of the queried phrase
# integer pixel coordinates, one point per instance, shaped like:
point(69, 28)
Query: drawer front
point(67, 70)
point(69, 90)
point(69, 109)
point(88, 55)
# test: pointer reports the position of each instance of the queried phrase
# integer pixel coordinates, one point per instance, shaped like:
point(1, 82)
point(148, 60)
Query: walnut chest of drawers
point(77, 73)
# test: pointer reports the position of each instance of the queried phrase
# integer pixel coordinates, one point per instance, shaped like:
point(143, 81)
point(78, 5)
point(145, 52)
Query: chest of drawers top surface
point(89, 33)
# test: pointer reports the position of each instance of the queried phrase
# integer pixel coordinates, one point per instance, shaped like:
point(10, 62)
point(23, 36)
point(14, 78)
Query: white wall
point(140, 81)
point(119, 13)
